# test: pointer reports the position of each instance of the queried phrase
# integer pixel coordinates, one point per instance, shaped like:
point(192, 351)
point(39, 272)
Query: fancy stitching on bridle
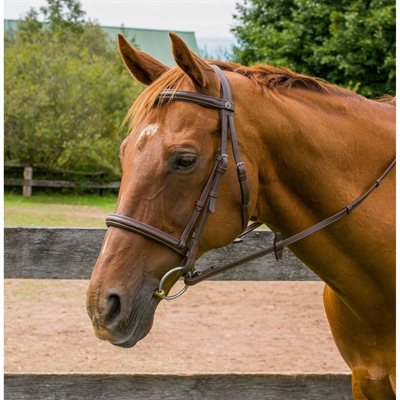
point(186, 245)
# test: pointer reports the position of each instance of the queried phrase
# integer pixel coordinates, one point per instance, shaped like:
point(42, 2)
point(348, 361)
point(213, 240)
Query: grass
point(62, 210)
point(65, 210)
point(103, 202)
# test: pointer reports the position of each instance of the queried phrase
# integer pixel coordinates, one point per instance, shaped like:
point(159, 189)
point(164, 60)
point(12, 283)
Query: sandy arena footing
point(216, 327)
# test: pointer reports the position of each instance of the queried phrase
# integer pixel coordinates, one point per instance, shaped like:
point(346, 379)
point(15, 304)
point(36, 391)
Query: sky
point(207, 18)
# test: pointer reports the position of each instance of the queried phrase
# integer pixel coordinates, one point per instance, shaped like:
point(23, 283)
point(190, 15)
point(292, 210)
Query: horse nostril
point(113, 308)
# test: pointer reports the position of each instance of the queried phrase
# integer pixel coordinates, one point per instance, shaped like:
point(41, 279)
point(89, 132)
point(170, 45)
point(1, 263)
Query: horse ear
point(143, 67)
point(198, 70)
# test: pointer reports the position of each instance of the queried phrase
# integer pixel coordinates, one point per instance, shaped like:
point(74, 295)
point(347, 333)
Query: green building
point(153, 41)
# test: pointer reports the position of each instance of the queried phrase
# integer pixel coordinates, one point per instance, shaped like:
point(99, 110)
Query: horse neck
point(316, 153)
point(309, 156)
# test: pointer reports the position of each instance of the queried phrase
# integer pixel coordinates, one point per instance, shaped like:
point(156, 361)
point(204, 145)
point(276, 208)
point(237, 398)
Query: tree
point(64, 14)
point(66, 92)
point(347, 42)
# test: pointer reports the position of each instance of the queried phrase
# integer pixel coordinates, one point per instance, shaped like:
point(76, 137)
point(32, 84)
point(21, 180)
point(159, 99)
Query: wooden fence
point(64, 253)
point(28, 182)
point(70, 253)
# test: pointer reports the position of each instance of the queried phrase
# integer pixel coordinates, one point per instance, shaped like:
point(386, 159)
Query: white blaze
point(148, 131)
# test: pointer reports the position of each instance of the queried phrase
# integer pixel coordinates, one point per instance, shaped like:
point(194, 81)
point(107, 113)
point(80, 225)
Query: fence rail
point(176, 387)
point(59, 184)
point(70, 253)
point(28, 182)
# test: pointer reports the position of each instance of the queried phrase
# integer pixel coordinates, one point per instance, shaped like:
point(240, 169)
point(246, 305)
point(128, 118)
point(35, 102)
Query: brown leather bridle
point(187, 244)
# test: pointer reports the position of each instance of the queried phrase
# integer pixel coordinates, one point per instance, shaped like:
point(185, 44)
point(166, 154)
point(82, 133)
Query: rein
point(186, 245)
point(278, 245)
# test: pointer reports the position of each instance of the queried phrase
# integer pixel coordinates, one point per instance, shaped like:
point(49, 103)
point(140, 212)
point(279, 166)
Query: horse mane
point(263, 77)
point(268, 77)
point(387, 99)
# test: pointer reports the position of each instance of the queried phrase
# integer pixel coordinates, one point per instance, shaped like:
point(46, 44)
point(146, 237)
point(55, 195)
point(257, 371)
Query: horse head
point(167, 160)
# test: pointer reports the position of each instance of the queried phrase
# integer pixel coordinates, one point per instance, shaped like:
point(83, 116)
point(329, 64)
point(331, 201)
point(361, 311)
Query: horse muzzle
point(120, 318)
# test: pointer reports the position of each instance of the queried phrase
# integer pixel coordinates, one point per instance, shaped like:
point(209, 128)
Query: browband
point(196, 98)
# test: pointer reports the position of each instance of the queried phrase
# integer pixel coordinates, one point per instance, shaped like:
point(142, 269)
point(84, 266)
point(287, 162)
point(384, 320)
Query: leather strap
point(199, 276)
point(229, 125)
point(131, 225)
point(196, 98)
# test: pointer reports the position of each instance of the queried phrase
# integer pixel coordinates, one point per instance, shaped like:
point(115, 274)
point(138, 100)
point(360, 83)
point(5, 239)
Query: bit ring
point(160, 292)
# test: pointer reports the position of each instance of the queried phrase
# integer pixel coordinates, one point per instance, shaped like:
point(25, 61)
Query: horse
point(309, 147)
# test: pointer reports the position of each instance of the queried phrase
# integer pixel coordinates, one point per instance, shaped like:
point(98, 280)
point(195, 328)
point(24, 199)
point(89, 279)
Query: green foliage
point(347, 42)
point(64, 14)
point(66, 92)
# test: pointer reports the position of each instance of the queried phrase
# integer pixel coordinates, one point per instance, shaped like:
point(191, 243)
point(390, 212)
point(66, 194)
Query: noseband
point(187, 244)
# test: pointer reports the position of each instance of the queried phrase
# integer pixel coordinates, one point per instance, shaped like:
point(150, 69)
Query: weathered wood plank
point(60, 184)
point(173, 387)
point(69, 253)
point(27, 185)
point(50, 253)
point(13, 182)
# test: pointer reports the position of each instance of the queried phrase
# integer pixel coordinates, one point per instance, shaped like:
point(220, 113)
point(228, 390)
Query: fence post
point(101, 190)
point(27, 187)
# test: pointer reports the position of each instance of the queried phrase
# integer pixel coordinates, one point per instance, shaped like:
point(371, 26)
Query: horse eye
point(183, 162)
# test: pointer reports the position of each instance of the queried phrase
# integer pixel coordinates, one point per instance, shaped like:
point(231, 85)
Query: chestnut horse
point(309, 149)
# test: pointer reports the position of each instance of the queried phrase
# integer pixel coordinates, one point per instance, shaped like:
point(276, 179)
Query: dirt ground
point(216, 327)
